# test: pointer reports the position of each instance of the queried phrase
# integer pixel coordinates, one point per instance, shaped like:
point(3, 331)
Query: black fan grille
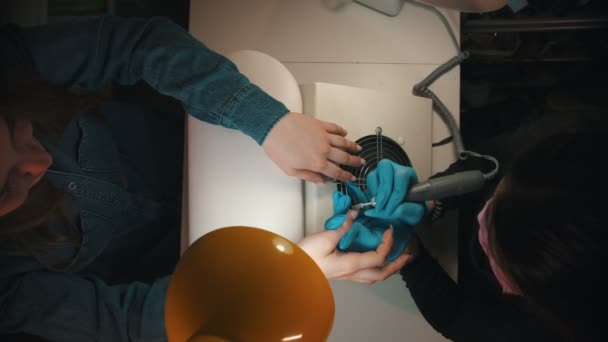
point(374, 149)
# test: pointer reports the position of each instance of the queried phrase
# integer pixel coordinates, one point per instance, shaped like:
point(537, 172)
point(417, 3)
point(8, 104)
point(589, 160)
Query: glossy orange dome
point(244, 284)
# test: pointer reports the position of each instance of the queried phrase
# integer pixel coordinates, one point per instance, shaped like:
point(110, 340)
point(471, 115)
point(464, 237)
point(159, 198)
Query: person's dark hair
point(548, 223)
point(25, 231)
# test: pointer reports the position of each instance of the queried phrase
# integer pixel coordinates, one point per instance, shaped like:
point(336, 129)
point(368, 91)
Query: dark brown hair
point(50, 107)
point(548, 227)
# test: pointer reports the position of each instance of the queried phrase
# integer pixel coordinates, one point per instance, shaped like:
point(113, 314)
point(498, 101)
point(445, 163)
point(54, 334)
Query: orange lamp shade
point(243, 284)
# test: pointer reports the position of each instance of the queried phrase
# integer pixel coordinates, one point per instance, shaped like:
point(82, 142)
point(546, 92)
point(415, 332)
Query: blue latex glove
point(388, 183)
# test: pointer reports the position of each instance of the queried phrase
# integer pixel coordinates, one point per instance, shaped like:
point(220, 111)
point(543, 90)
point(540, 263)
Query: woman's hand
point(305, 147)
point(367, 268)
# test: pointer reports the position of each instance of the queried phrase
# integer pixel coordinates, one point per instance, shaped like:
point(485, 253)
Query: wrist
point(255, 113)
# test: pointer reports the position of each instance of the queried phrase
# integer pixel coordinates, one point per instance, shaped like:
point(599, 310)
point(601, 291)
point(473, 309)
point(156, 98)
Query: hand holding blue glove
point(388, 184)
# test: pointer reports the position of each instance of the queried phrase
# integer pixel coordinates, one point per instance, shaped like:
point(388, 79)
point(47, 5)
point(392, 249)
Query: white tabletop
point(358, 47)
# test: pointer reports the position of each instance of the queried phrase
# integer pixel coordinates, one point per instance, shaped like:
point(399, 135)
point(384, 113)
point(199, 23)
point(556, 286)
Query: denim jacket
point(122, 195)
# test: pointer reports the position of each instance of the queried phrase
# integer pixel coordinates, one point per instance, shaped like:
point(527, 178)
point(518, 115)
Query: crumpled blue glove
point(388, 183)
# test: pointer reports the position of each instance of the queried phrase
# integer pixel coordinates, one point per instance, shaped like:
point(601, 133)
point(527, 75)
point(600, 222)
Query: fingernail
point(359, 148)
point(353, 214)
point(353, 178)
point(363, 161)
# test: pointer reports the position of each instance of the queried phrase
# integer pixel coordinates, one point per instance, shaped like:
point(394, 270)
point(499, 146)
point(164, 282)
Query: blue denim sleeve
point(65, 307)
point(161, 53)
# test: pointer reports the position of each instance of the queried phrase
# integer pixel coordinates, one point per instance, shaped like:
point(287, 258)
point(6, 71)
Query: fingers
point(387, 243)
point(339, 153)
point(403, 177)
point(377, 274)
point(341, 211)
point(334, 237)
point(333, 171)
point(335, 222)
point(341, 157)
point(353, 262)
point(392, 268)
point(332, 128)
point(344, 144)
point(390, 183)
point(352, 235)
point(308, 175)
point(372, 184)
point(346, 226)
point(355, 192)
point(386, 177)
point(411, 213)
point(341, 203)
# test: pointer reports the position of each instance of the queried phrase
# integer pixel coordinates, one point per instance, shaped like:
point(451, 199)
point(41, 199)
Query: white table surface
point(358, 47)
